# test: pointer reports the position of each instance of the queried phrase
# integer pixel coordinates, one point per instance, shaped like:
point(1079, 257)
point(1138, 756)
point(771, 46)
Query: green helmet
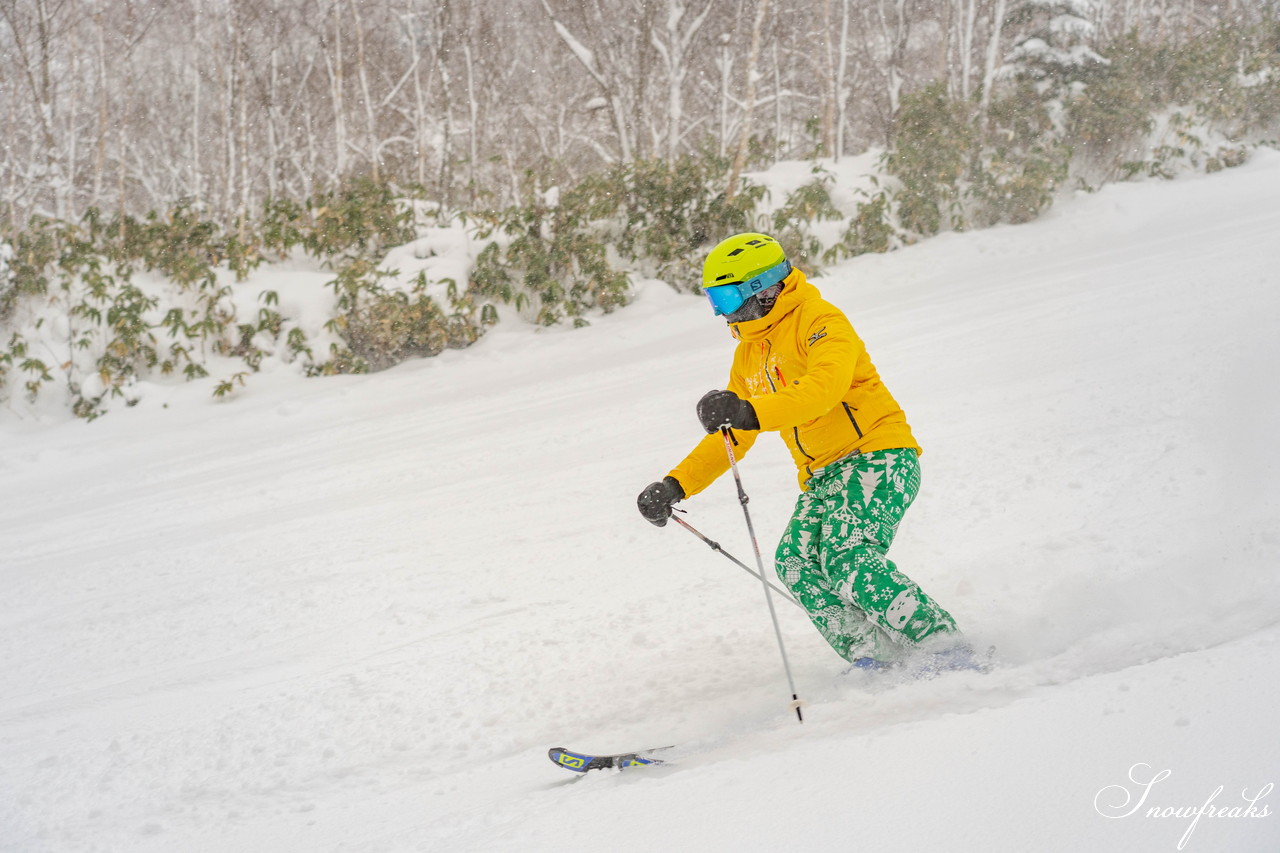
point(740, 267)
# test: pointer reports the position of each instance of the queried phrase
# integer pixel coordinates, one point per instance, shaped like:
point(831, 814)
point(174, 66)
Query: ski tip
point(562, 757)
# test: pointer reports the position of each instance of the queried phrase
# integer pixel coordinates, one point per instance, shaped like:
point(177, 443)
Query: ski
point(581, 762)
point(930, 665)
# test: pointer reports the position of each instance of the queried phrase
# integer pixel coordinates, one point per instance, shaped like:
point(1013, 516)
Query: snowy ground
point(352, 614)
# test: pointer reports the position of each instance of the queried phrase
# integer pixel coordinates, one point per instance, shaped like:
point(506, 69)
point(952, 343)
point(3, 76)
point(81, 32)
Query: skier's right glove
point(725, 408)
point(656, 500)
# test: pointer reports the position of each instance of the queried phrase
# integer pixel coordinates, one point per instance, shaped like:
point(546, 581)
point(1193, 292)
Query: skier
point(800, 370)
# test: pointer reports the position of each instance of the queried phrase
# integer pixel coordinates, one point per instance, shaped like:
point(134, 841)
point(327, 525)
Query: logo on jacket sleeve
point(817, 336)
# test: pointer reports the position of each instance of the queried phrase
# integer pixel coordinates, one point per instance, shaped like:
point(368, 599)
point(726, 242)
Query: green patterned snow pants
point(833, 557)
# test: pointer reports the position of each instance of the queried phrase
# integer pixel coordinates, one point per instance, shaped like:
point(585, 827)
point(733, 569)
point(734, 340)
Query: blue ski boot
point(870, 665)
point(958, 658)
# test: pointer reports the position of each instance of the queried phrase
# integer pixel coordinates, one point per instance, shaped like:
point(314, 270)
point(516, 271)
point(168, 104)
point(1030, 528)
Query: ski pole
point(715, 546)
point(751, 530)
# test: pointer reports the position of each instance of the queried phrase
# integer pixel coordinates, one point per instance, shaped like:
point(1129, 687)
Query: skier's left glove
point(724, 408)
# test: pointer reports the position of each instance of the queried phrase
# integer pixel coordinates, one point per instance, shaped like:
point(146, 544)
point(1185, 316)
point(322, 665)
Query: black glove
point(656, 500)
point(725, 408)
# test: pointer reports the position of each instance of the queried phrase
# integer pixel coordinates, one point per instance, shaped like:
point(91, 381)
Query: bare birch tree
point(130, 105)
point(748, 109)
point(674, 41)
point(991, 62)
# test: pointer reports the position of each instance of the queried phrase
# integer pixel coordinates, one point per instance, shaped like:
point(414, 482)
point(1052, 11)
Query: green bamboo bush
point(90, 309)
point(793, 221)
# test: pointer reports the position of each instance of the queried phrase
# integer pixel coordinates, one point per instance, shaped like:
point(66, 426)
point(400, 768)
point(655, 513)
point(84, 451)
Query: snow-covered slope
point(352, 614)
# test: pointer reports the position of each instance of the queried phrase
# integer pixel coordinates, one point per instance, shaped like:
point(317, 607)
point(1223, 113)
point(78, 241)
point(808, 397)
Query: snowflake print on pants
point(833, 557)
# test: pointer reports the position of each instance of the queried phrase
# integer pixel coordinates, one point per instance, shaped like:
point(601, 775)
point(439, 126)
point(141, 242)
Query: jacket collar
point(795, 290)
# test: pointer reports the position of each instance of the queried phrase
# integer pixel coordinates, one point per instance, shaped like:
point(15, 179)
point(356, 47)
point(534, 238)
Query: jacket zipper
point(766, 346)
point(795, 431)
point(848, 411)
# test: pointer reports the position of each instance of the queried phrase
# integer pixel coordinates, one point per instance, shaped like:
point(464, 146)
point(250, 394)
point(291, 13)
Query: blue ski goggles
point(727, 298)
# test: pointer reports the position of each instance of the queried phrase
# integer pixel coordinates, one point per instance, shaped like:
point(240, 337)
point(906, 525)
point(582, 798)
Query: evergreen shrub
point(870, 229)
point(808, 203)
point(554, 264)
point(935, 141)
point(384, 326)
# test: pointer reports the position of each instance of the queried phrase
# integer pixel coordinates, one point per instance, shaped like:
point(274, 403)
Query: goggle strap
point(769, 277)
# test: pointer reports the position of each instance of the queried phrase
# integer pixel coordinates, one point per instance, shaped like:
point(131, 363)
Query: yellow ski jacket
point(807, 375)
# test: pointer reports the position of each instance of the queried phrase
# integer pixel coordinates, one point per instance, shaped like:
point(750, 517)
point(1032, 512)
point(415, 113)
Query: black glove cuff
point(676, 489)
